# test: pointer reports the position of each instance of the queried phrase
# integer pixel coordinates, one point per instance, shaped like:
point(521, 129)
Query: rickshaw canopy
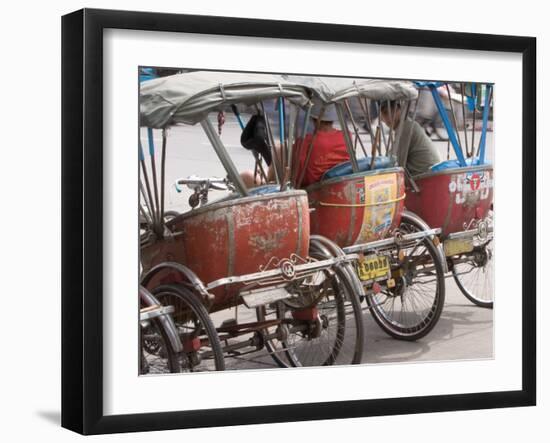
point(334, 89)
point(190, 97)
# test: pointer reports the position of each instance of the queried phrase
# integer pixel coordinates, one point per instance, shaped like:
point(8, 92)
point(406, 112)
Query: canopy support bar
point(481, 149)
point(154, 172)
point(448, 126)
point(257, 159)
point(228, 164)
point(274, 157)
point(349, 144)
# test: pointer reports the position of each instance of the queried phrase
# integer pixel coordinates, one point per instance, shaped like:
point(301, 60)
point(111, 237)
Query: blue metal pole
point(448, 125)
point(151, 142)
point(239, 119)
point(141, 156)
point(281, 121)
point(485, 121)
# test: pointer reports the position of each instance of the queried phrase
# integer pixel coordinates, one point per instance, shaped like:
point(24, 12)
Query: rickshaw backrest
point(345, 168)
point(453, 164)
point(265, 189)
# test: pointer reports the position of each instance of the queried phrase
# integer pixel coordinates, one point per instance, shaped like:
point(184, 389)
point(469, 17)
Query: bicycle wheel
point(474, 277)
point(335, 336)
point(412, 308)
point(321, 324)
point(202, 349)
point(276, 347)
point(156, 354)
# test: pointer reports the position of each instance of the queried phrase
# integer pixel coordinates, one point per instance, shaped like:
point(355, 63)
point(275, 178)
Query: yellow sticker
point(377, 218)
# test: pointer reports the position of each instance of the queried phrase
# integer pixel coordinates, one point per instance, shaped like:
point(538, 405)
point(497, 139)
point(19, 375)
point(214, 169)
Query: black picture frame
point(82, 240)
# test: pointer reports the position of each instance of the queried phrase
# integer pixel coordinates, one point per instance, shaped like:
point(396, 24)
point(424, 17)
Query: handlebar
point(194, 182)
point(201, 186)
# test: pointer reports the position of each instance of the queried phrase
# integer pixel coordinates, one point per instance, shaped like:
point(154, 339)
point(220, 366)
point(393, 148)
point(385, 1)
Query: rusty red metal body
point(358, 208)
point(452, 199)
point(233, 237)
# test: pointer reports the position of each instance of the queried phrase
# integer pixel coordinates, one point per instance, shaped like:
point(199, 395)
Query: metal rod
point(293, 123)
point(162, 174)
point(302, 142)
point(447, 123)
point(349, 145)
point(474, 93)
point(282, 139)
point(381, 124)
point(238, 116)
point(355, 128)
point(146, 179)
point(390, 241)
point(257, 159)
point(145, 203)
point(274, 156)
point(366, 111)
point(455, 128)
point(468, 153)
point(154, 172)
point(398, 133)
point(310, 148)
point(228, 164)
point(391, 129)
point(481, 147)
point(145, 215)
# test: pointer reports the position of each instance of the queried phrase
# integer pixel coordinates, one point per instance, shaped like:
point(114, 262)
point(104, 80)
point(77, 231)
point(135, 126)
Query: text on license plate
point(373, 267)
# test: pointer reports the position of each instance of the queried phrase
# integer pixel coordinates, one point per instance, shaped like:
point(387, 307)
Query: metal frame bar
point(390, 241)
point(447, 123)
point(349, 144)
point(224, 157)
point(271, 139)
point(481, 148)
point(306, 268)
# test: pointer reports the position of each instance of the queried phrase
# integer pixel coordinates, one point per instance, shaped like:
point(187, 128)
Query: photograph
point(293, 220)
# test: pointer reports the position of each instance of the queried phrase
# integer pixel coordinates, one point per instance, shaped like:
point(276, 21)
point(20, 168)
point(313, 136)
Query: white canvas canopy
point(334, 89)
point(188, 98)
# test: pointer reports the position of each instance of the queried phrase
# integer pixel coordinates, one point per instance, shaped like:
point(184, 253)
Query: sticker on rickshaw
point(471, 186)
point(378, 215)
point(373, 267)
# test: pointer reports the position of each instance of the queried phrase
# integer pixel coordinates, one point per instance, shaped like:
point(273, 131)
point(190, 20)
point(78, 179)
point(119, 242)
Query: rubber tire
point(476, 301)
point(345, 293)
point(190, 299)
point(400, 333)
point(172, 358)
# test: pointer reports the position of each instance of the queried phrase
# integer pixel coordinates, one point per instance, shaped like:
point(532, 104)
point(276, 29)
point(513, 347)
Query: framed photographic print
point(317, 222)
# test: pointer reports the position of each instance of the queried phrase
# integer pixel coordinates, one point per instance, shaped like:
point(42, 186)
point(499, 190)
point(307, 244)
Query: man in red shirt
point(320, 151)
point(327, 146)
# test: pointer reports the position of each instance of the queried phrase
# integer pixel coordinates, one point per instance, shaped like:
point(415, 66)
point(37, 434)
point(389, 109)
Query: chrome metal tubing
point(224, 156)
point(390, 241)
point(300, 270)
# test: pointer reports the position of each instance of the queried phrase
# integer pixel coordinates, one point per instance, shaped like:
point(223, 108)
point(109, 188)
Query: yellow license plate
point(374, 267)
point(457, 246)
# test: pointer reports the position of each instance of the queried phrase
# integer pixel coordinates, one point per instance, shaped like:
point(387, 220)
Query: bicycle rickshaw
point(251, 248)
point(359, 205)
point(457, 194)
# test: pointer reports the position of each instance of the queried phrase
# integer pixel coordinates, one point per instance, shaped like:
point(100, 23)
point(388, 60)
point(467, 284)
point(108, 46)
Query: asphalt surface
point(464, 331)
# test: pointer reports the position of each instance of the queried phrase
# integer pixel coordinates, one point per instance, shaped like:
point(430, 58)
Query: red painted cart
point(359, 205)
point(457, 194)
point(251, 248)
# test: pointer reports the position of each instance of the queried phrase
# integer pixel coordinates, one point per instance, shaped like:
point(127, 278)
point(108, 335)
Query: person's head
point(390, 113)
point(323, 116)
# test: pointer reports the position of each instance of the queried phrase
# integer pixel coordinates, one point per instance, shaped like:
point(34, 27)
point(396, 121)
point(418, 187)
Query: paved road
point(464, 331)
